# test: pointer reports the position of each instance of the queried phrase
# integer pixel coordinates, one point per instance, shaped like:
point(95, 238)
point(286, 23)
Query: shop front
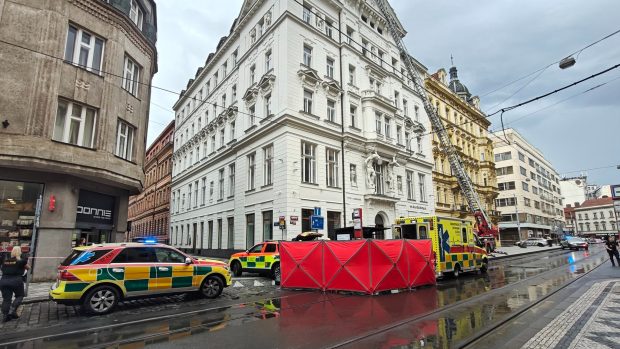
point(18, 214)
point(94, 219)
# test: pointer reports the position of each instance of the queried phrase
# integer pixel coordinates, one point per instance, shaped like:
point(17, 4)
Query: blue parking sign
point(316, 222)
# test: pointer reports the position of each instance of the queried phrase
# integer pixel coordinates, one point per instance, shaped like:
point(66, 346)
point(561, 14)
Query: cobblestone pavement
point(47, 313)
point(590, 323)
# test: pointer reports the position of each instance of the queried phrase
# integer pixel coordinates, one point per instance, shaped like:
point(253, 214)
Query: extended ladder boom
point(438, 127)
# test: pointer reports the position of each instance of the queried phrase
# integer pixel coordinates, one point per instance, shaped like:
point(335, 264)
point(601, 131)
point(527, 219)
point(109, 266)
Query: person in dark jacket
point(612, 249)
point(12, 283)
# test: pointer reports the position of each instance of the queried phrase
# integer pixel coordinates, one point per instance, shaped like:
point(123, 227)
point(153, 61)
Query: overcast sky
point(493, 44)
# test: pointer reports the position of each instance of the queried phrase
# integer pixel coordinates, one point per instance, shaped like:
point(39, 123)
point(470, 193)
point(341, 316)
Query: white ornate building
point(299, 107)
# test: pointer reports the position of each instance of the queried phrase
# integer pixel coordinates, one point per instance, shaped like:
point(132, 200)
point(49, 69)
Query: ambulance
point(456, 247)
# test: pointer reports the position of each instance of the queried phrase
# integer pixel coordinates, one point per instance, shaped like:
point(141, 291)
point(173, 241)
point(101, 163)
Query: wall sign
point(95, 209)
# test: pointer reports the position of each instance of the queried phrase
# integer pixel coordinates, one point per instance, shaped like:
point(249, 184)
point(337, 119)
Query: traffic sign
point(317, 211)
point(316, 222)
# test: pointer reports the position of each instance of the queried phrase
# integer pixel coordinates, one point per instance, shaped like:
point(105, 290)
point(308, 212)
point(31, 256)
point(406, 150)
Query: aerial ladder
point(485, 230)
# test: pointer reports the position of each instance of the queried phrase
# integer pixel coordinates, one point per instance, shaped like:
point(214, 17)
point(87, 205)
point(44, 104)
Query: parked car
point(540, 242)
point(596, 241)
point(262, 258)
point(574, 243)
point(98, 276)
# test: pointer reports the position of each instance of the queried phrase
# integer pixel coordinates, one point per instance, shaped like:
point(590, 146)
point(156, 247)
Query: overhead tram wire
point(549, 65)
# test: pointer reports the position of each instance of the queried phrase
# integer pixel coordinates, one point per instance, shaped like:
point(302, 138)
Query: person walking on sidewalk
point(612, 249)
point(12, 282)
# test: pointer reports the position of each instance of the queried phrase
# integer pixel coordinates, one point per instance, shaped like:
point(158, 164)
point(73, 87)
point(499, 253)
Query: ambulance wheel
point(100, 300)
point(484, 267)
point(236, 269)
point(457, 271)
point(275, 273)
point(212, 287)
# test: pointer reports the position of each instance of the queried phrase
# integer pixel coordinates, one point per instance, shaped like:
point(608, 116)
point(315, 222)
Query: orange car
point(262, 258)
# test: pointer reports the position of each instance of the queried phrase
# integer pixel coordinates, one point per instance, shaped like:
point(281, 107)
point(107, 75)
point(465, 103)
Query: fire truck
point(487, 233)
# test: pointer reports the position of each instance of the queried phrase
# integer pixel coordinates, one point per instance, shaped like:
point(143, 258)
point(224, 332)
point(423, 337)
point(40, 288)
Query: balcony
point(377, 98)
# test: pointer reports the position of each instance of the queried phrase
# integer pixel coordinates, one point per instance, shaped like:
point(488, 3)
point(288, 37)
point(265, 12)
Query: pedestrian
point(12, 283)
point(612, 249)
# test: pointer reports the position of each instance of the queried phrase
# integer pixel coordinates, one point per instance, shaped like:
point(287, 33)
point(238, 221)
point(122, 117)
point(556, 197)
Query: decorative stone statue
point(371, 174)
point(392, 173)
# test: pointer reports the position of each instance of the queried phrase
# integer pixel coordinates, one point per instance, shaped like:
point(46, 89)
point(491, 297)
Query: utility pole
point(518, 220)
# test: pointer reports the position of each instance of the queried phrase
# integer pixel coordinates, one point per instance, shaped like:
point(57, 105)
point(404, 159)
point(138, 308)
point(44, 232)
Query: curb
point(522, 254)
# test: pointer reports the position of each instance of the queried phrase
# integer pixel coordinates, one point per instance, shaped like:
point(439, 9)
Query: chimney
point(577, 204)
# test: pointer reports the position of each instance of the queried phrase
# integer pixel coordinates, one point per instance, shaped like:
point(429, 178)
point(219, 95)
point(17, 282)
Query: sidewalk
point(511, 251)
point(584, 315)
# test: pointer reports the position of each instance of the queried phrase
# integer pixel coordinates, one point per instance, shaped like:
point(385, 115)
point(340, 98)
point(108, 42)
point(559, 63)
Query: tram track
point(429, 315)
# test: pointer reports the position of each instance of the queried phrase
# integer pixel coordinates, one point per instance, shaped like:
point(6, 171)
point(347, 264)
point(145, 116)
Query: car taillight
point(65, 275)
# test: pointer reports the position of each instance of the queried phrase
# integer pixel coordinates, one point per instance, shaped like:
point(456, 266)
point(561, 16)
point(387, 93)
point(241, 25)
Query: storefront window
point(18, 201)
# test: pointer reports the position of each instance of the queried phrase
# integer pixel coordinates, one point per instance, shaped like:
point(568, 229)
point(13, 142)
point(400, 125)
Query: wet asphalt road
point(447, 315)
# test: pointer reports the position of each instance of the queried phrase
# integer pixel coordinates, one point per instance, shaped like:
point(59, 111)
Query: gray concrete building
point(74, 103)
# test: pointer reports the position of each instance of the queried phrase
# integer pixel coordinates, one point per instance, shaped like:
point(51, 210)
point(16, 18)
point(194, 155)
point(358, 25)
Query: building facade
point(300, 107)
point(149, 211)
point(530, 200)
point(74, 104)
point(596, 217)
point(467, 127)
point(574, 190)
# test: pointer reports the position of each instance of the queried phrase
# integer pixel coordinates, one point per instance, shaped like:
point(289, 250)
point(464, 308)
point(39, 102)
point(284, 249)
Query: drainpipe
point(344, 203)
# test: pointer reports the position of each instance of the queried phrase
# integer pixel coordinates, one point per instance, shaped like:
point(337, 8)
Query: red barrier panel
point(367, 266)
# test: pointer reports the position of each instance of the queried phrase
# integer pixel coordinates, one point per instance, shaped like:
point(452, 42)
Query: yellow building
point(468, 129)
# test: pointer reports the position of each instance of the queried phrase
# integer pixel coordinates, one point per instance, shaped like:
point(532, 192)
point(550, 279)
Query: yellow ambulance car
point(455, 246)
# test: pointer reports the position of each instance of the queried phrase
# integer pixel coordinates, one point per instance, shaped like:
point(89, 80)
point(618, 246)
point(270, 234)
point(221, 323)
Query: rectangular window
point(222, 137)
point(234, 93)
point(251, 170)
point(252, 74)
point(131, 76)
point(417, 113)
point(503, 156)
point(329, 28)
point(307, 56)
point(399, 184)
point(407, 141)
point(136, 14)
point(306, 14)
point(399, 137)
point(124, 140)
point(249, 230)
point(224, 69)
point(308, 162)
point(388, 127)
point(268, 165)
point(422, 186)
point(252, 116)
point(75, 124)
point(352, 75)
point(521, 156)
point(405, 107)
point(189, 197)
point(221, 184)
point(231, 180)
point(84, 49)
point(396, 99)
point(527, 202)
point(378, 123)
point(410, 195)
point(231, 232)
point(268, 61)
point(330, 68)
point(267, 225)
point(331, 167)
point(331, 110)
point(232, 130)
point(353, 175)
point(308, 101)
point(196, 194)
point(203, 191)
point(523, 171)
point(219, 233)
point(353, 113)
point(506, 186)
point(504, 171)
point(211, 190)
point(525, 186)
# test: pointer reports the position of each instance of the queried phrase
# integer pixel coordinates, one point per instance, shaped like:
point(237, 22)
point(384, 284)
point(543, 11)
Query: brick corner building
point(149, 211)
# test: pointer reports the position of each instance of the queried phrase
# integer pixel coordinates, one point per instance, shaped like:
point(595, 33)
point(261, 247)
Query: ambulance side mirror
point(188, 261)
